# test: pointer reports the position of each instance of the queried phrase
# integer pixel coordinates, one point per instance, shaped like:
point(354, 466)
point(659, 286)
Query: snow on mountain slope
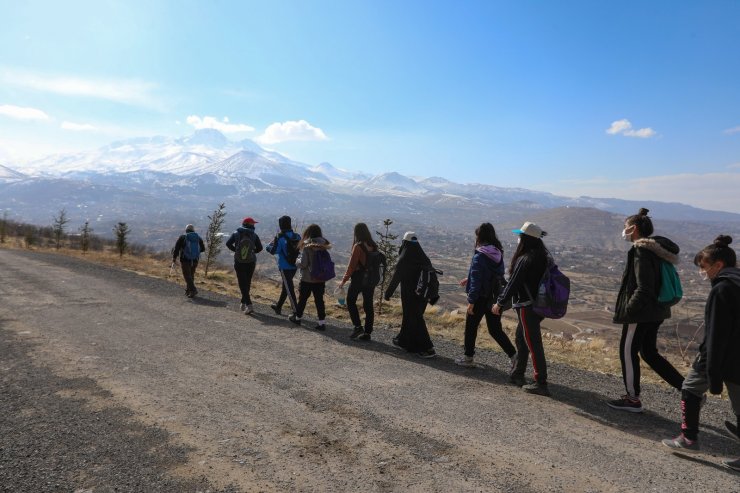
point(7, 174)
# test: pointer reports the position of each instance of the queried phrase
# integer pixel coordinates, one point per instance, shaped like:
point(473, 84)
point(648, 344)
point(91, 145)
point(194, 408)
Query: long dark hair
point(719, 250)
point(362, 235)
point(642, 222)
point(527, 245)
point(485, 234)
point(311, 231)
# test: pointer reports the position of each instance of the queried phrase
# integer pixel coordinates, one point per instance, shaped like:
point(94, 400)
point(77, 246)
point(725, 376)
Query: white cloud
point(79, 127)
point(127, 91)
point(624, 127)
point(733, 130)
point(22, 113)
point(222, 126)
point(299, 130)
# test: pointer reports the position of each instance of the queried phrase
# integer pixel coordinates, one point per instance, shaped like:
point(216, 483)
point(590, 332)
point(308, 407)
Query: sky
point(630, 99)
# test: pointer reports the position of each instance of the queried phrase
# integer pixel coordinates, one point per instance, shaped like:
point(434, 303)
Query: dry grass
point(593, 355)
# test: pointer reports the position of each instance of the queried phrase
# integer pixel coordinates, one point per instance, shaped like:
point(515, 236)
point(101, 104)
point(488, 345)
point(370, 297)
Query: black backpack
point(374, 269)
point(291, 247)
point(244, 252)
point(428, 285)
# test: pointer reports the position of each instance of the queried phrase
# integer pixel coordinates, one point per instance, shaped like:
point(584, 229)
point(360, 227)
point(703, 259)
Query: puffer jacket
point(486, 273)
point(720, 350)
point(637, 300)
point(307, 256)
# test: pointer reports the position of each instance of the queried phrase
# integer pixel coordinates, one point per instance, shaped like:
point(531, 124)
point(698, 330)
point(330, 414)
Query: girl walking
point(484, 283)
point(414, 336)
point(361, 245)
point(311, 242)
point(639, 311)
point(285, 246)
point(527, 267)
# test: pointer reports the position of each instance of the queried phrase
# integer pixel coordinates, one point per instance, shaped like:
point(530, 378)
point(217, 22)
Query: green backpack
point(670, 285)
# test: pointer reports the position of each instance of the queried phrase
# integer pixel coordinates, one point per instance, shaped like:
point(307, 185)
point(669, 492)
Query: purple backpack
point(553, 292)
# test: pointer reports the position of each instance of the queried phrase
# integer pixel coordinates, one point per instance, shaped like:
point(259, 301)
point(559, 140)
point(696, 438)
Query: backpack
point(191, 250)
point(374, 269)
point(291, 247)
point(553, 292)
point(244, 252)
point(428, 284)
point(322, 266)
point(670, 285)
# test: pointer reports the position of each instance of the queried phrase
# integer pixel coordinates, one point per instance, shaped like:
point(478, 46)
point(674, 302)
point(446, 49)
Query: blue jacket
point(485, 276)
point(279, 247)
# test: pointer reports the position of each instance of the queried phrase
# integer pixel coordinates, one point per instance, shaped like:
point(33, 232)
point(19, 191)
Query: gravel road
point(113, 381)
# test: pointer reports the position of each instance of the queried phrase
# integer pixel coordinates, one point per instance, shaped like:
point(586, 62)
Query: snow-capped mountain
point(8, 175)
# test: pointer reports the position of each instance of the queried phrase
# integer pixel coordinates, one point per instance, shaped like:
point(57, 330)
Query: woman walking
point(484, 283)
point(245, 244)
point(358, 263)
point(639, 311)
point(311, 243)
point(718, 361)
point(527, 267)
point(414, 336)
point(285, 246)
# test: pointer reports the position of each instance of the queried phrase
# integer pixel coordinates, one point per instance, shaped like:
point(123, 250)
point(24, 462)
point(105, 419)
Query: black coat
point(637, 300)
point(720, 350)
point(524, 280)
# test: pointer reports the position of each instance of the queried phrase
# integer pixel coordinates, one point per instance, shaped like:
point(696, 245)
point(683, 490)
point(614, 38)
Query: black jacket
point(637, 300)
point(524, 280)
point(233, 240)
point(411, 260)
point(720, 350)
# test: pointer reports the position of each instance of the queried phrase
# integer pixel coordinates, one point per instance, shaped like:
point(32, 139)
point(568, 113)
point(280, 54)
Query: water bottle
point(339, 293)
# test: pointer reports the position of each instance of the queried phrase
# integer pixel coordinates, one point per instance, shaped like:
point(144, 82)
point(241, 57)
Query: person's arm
point(179, 244)
point(397, 275)
point(476, 279)
point(720, 320)
point(646, 290)
point(515, 282)
point(202, 245)
point(257, 244)
point(354, 263)
point(231, 242)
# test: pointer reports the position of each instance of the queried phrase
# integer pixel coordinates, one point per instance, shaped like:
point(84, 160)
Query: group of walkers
point(639, 307)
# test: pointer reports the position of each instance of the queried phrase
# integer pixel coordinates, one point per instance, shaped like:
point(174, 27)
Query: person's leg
point(288, 276)
point(533, 337)
point(318, 290)
point(241, 280)
point(497, 332)
point(472, 322)
point(283, 292)
point(522, 350)
point(629, 346)
point(649, 353)
point(368, 308)
point(248, 273)
point(185, 267)
point(304, 291)
point(694, 387)
point(354, 314)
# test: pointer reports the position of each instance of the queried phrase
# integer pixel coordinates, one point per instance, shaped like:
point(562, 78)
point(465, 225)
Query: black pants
point(482, 308)
point(244, 273)
point(288, 291)
point(306, 289)
point(356, 289)
point(642, 339)
point(188, 273)
point(529, 340)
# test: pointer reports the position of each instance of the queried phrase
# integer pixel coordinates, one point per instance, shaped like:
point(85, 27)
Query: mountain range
point(161, 182)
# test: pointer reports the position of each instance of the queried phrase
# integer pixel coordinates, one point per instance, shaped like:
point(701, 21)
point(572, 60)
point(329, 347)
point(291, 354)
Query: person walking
point(245, 244)
point(639, 311)
point(311, 243)
point(285, 247)
point(188, 248)
point(414, 335)
point(527, 267)
point(718, 362)
point(484, 283)
point(362, 245)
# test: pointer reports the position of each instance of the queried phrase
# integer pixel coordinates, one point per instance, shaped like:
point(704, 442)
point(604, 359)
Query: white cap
point(529, 229)
point(409, 236)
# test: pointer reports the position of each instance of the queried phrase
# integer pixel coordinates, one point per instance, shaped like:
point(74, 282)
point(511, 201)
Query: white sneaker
point(248, 310)
point(465, 361)
point(242, 307)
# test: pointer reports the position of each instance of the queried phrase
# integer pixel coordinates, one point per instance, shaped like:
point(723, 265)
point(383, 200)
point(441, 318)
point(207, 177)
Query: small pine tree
point(121, 230)
point(85, 232)
point(4, 227)
point(29, 235)
point(213, 235)
point(388, 247)
point(57, 227)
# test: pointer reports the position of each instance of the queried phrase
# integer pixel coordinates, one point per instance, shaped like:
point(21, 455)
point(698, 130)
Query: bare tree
point(214, 238)
point(58, 226)
point(121, 230)
point(388, 247)
point(85, 233)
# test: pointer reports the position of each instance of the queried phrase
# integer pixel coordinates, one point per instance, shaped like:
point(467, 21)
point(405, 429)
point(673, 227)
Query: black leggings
point(306, 289)
point(244, 273)
point(482, 308)
point(642, 339)
point(355, 289)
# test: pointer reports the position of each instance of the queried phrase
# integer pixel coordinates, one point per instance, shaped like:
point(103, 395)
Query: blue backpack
point(322, 266)
point(191, 250)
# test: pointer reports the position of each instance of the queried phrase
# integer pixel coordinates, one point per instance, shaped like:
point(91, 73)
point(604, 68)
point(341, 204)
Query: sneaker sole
point(628, 409)
point(679, 450)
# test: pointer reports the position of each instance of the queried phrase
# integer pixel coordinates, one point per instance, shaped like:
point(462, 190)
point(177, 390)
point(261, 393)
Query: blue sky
point(626, 99)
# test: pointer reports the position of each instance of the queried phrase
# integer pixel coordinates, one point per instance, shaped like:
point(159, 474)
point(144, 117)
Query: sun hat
point(529, 229)
point(409, 236)
point(249, 220)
